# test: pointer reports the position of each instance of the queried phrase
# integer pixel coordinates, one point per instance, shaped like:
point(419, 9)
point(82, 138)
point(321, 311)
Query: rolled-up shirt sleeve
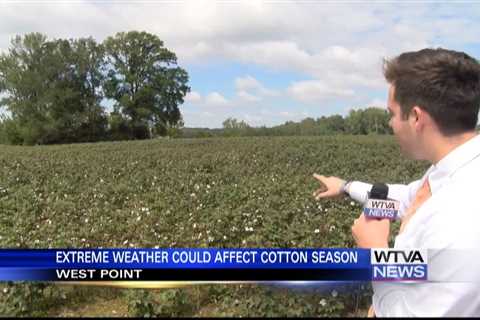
point(358, 191)
point(404, 194)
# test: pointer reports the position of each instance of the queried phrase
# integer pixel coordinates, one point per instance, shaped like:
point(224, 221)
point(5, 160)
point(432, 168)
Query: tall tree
point(232, 123)
point(145, 82)
point(90, 70)
point(52, 90)
point(369, 120)
point(377, 120)
point(21, 81)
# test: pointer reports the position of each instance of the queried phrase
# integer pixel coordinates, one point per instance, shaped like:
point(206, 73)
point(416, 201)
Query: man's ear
point(419, 117)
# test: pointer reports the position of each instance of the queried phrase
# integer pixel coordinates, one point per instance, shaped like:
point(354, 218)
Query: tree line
point(53, 90)
point(363, 121)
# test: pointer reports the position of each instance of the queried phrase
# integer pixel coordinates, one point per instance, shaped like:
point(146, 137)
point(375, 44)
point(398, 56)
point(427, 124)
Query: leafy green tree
point(355, 123)
point(145, 82)
point(175, 131)
point(366, 121)
point(234, 127)
point(308, 126)
point(376, 120)
point(52, 90)
point(335, 124)
point(21, 83)
point(118, 126)
point(232, 123)
point(88, 58)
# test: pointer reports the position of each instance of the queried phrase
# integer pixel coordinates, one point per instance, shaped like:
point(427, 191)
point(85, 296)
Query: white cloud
point(313, 91)
point(249, 30)
point(213, 102)
point(193, 97)
point(250, 89)
point(245, 96)
point(379, 103)
point(278, 55)
point(215, 99)
point(315, 36)
point(247, 83)
point(338, 47)
point(253, 119)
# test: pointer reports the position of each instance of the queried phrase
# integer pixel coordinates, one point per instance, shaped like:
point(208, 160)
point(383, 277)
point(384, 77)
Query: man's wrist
point(345, 187)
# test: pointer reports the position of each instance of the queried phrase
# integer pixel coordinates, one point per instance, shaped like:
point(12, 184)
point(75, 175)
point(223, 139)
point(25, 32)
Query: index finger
point(319, 177)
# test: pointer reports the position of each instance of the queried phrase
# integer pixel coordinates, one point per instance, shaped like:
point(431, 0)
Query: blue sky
point(265, 62)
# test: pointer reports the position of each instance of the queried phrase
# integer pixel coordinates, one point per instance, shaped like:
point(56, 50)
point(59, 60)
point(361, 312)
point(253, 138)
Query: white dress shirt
point(448, 225)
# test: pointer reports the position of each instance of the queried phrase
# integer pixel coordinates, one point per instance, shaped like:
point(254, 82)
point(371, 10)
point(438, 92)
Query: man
point(433, 100)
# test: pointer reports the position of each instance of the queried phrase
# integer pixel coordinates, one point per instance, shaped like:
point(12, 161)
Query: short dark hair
point(444, 83)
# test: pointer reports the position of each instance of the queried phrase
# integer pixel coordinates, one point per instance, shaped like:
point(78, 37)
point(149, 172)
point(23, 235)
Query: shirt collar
point(448, 165)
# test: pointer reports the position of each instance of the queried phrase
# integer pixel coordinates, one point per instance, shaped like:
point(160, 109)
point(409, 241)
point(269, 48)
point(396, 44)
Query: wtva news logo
point(381, 209)
point(399, 265)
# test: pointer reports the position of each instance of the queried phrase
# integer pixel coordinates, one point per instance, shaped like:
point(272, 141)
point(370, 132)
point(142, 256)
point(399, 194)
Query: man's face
point(403, 129)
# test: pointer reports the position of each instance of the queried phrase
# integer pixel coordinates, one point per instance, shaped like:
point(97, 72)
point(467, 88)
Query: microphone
point(378, 206)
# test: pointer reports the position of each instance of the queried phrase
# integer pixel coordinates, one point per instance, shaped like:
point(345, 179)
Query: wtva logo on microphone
point(381, 209)
point(399, 265)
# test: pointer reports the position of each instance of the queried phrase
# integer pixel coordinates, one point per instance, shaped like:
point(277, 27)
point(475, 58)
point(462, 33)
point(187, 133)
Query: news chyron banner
point(213, 265)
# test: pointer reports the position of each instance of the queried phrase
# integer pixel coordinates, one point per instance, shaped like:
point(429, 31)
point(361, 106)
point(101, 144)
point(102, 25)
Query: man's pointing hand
point(334, 187)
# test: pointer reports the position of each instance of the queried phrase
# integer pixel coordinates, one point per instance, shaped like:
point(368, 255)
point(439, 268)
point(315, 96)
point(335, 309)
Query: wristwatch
point(345, 187)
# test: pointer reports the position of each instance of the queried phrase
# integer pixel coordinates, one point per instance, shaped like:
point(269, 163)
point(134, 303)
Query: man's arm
point(358, 190)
